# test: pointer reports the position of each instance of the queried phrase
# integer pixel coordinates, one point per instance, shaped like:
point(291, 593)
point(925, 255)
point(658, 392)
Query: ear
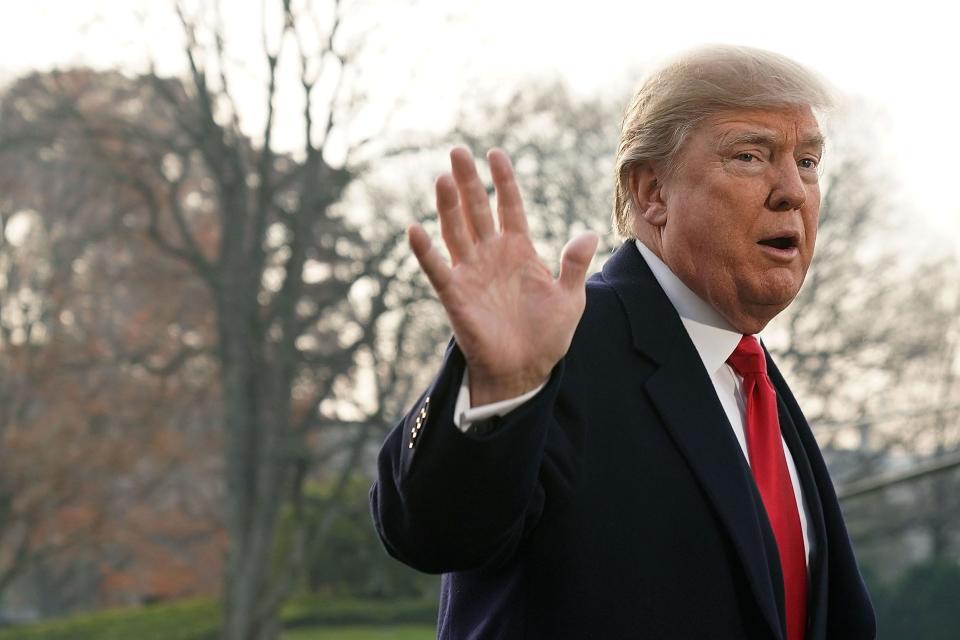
point(646, 189)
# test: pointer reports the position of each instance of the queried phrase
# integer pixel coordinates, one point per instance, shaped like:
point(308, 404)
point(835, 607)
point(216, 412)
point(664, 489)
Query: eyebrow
point(770, 139)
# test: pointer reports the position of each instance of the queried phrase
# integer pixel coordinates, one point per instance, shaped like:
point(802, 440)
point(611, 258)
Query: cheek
point(712, 222)
point(812, 209)
point(811, 225)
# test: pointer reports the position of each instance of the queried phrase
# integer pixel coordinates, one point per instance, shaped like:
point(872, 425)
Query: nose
point(787, 191)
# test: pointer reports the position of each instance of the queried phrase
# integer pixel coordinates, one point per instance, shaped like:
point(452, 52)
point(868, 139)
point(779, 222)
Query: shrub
point(199, 619)
point(922, 604)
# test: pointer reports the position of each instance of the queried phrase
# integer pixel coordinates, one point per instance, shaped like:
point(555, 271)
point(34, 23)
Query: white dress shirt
point(714, 340)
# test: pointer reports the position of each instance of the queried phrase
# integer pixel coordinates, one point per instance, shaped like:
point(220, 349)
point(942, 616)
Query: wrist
point(486, 390)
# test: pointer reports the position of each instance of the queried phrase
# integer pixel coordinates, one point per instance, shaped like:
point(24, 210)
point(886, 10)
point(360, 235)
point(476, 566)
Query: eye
point(808, 163)
point(746, 157)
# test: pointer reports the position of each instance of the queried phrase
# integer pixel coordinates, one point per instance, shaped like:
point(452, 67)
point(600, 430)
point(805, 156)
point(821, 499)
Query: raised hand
point(512, 319)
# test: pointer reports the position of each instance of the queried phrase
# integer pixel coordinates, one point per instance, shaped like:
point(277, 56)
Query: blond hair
point(676, 98)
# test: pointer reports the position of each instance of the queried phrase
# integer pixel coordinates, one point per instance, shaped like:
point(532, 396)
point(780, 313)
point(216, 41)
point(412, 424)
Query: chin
point(759, 310)
point(772, 307)
point(777, 291)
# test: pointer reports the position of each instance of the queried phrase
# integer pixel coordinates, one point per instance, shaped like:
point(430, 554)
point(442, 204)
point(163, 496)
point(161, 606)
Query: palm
point(511, 318)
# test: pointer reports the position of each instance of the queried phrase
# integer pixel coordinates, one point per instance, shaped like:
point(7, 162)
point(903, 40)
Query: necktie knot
point(748, 357)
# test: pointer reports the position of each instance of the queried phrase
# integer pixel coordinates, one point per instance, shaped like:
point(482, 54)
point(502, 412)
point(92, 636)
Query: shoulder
point(627, 307)
point(604, 315)
point(601, 296)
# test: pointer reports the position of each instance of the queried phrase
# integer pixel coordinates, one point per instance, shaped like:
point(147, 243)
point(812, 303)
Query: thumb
point(575, 260)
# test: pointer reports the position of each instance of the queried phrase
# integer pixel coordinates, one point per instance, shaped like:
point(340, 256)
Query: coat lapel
point(684, 396)
point(790, 425)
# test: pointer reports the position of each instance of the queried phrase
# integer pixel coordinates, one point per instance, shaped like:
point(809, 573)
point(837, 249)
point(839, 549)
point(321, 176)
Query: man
point(623, 460)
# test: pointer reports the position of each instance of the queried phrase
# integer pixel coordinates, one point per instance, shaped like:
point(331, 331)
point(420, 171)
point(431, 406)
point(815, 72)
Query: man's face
point(741, 210)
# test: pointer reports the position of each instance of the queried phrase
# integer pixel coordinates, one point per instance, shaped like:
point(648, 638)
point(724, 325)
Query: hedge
point(199, 619)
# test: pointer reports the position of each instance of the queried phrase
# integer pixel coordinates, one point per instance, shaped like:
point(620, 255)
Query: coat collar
point(654, 323)
point(684, 396)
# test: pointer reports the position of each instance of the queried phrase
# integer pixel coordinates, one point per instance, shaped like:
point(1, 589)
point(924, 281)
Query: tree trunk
point(255, 475)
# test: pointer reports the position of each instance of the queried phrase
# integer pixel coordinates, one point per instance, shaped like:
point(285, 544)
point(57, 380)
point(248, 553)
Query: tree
point(79, 334)
point(562, 147)
point(263, 275)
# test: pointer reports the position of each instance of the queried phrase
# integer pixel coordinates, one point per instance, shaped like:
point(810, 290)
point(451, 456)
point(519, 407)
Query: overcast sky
point(901, 59)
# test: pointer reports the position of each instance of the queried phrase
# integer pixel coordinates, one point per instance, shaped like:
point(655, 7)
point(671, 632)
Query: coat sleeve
point(449, 501)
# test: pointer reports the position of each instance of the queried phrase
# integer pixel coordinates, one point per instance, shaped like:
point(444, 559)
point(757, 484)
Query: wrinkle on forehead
point(768, 128)
point(811, 139)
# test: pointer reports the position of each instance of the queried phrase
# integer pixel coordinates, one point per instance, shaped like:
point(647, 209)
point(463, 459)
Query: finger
point(453, 228)
point(575, 260)
point(473, 195)
point(432, 263)
point(509, 200)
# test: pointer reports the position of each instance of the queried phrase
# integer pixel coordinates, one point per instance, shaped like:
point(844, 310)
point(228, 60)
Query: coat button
point(420, 421)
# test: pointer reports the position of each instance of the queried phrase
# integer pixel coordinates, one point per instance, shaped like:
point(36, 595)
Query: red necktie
point(769, 467)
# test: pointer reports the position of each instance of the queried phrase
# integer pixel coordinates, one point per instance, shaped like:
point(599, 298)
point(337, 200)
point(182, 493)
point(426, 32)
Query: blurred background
point(209, 318)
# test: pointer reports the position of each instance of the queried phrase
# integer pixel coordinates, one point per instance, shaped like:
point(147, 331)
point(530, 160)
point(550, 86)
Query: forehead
point(788, 126)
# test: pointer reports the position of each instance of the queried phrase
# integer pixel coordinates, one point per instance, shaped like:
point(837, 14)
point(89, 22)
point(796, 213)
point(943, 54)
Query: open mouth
point(780, 242)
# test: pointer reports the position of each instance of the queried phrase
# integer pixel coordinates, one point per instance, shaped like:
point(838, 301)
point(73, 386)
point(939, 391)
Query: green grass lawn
point(365, 632)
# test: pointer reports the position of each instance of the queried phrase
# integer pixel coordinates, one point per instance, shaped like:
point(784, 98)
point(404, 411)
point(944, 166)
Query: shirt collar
point(712, 336)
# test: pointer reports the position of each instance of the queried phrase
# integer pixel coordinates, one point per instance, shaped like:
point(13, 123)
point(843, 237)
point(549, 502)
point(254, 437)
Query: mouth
point(784, 245)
